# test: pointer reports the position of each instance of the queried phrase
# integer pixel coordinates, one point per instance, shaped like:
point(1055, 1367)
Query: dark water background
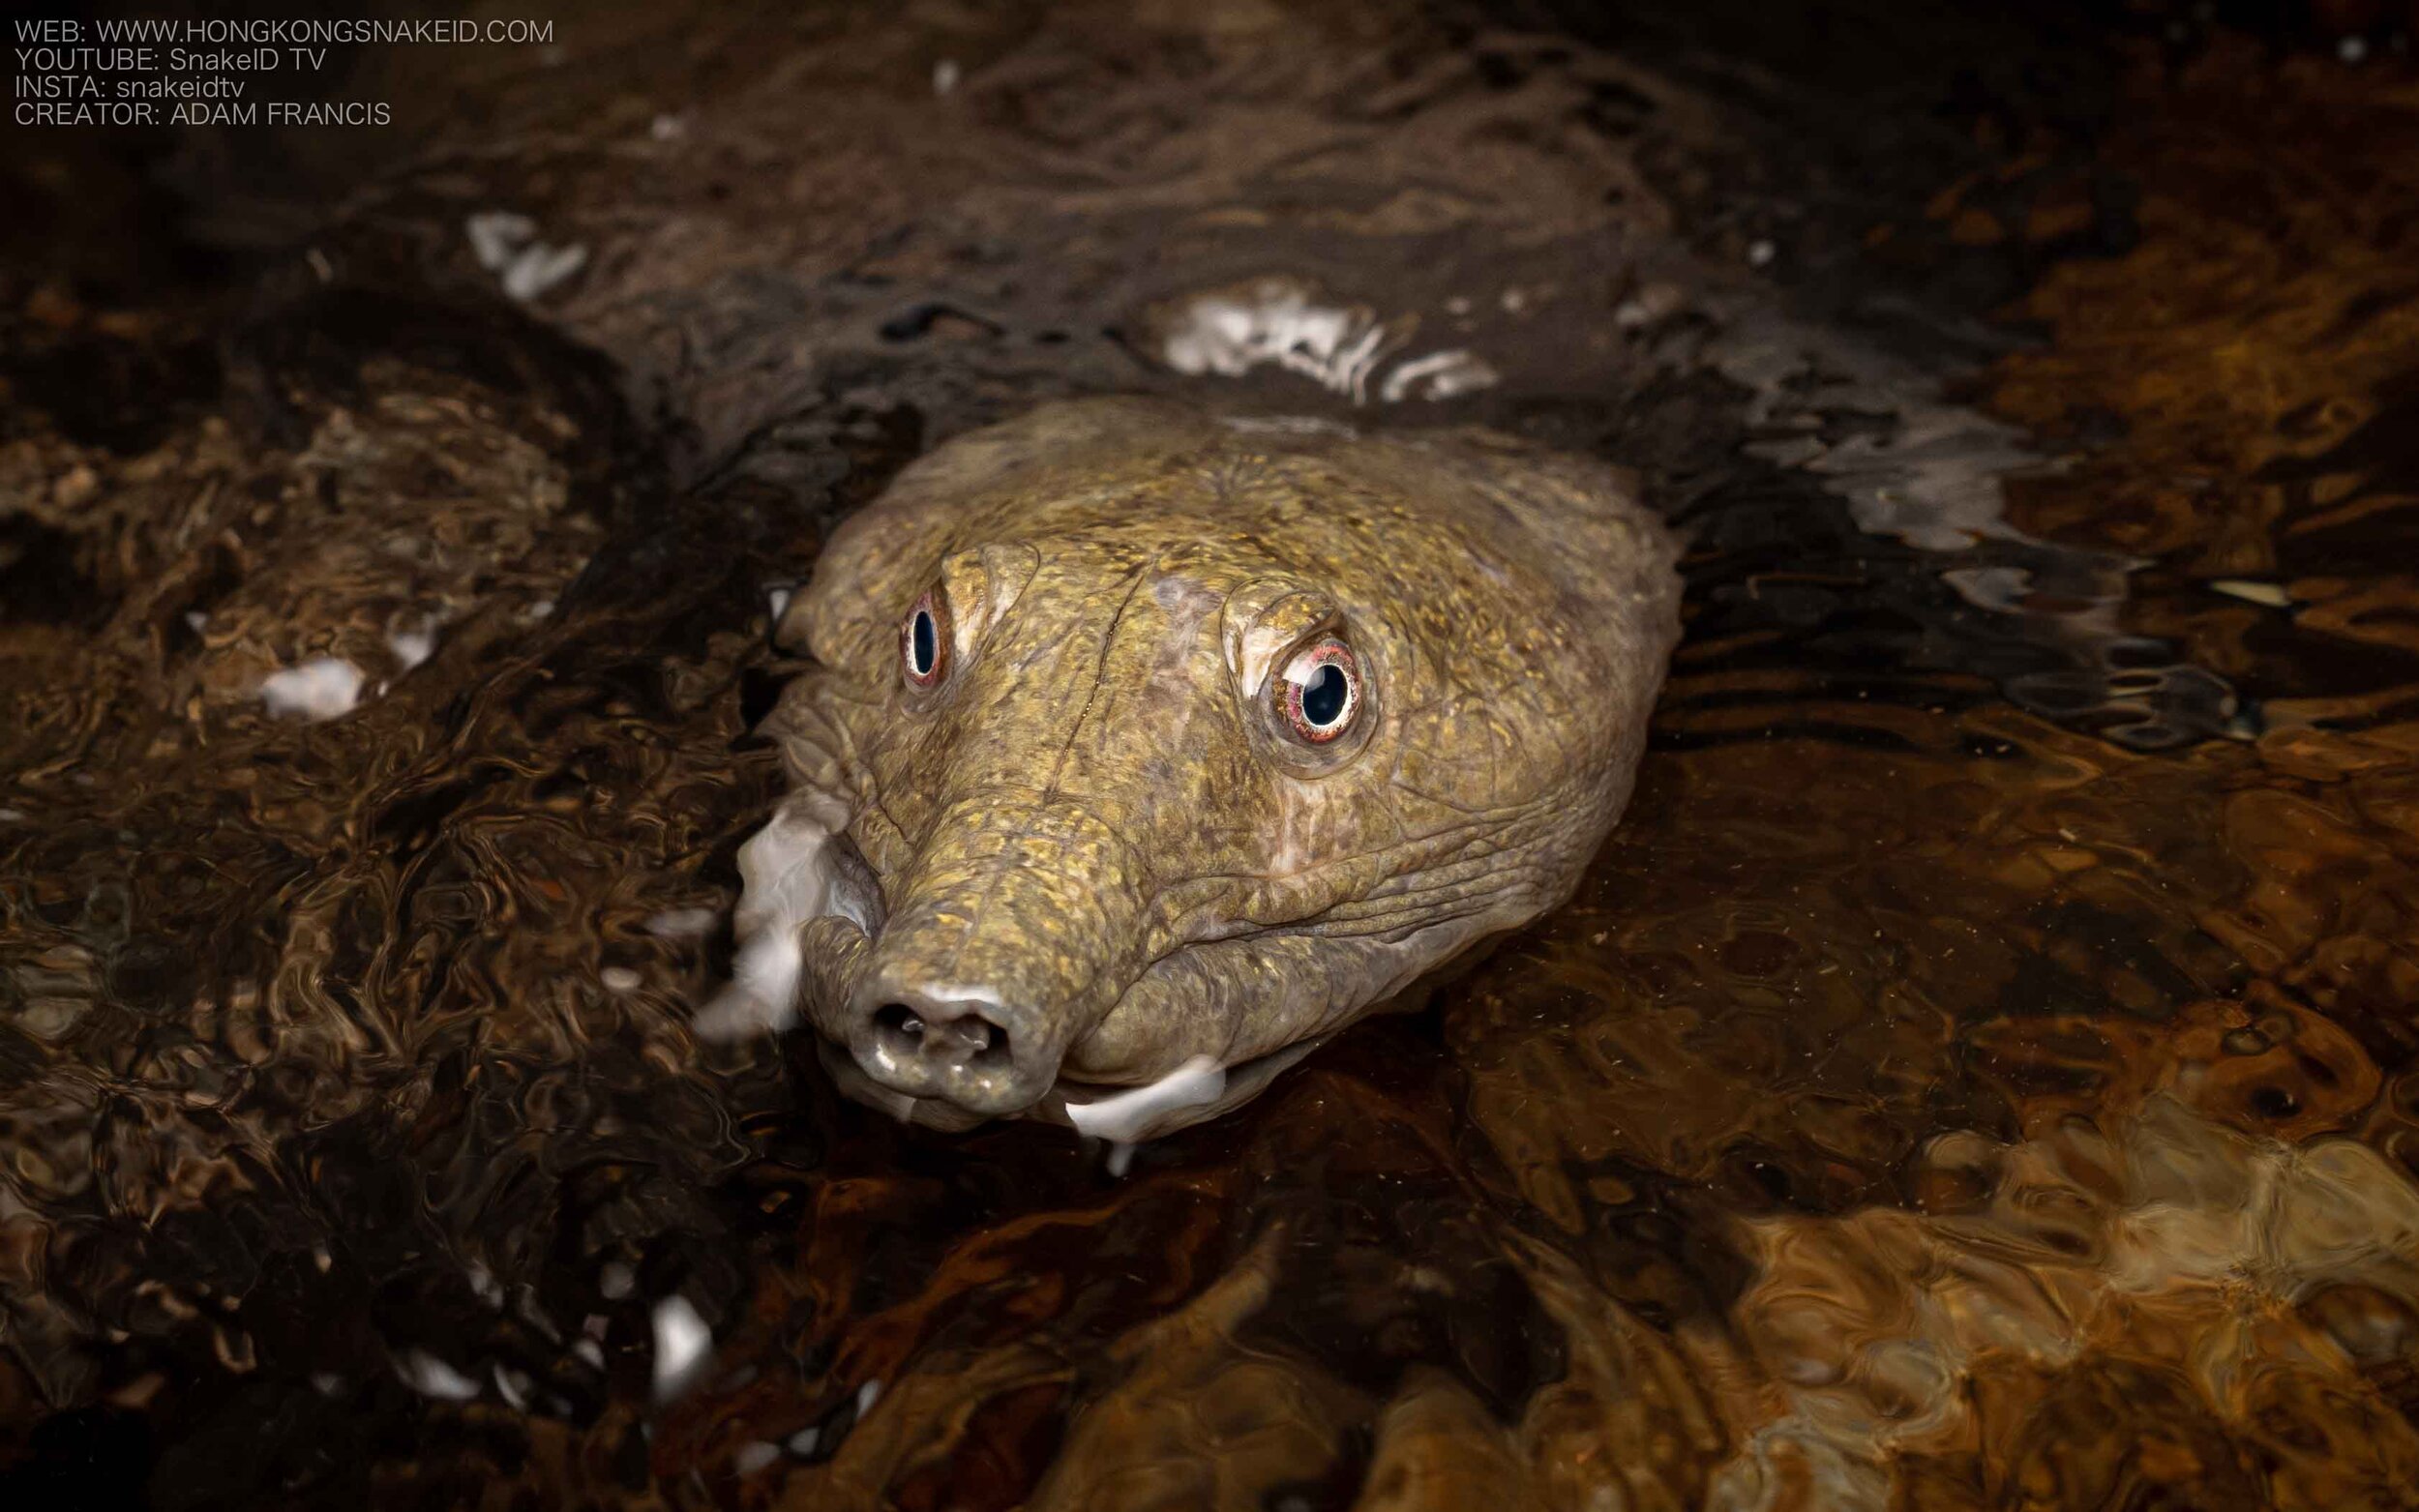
point(1979, 1072)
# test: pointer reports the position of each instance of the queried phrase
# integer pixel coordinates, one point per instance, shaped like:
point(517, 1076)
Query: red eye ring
point(924, 642)
point(1305, 692)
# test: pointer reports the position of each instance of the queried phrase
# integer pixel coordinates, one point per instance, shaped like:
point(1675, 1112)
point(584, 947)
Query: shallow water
point(1979, 1071)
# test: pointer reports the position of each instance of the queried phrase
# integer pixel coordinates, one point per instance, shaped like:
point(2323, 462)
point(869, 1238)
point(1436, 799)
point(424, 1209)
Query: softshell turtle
point(1136, 740)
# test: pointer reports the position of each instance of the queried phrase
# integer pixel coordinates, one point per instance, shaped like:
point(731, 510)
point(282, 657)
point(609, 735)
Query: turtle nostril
point(963, 1045)
point(897, 1021)
point(965, 1039)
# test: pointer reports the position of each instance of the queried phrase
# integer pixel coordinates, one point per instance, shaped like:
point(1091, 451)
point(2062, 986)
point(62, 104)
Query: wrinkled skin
point(1096, 850)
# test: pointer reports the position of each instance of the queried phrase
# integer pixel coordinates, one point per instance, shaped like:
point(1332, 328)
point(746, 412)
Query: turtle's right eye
point(924, 642)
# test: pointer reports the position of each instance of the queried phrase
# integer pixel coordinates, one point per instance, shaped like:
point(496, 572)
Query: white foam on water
point(431, 1376)
point(495, 234)
point(323, 688)
point(683, 1341)
point(763, 996)
point(540, 268)
point(1276, 321)
point(1284, 323)
point(512, 1385)
point(506, 243)
point(785, 872)
point(1438, 375)
point(682, 923)
point(412, 647)
point(484, 1286)
point(1122, 1118)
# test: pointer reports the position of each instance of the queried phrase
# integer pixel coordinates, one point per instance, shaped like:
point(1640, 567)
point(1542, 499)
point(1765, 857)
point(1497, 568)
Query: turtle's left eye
point(1319, 693)
point(924, 642)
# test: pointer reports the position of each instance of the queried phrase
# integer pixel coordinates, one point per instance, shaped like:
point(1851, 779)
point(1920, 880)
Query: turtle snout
point(1008, 936)
point(958, 1043)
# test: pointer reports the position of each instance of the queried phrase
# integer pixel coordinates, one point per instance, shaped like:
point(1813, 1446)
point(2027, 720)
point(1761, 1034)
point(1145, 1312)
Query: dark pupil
point(925, 642)
point(1323, 696)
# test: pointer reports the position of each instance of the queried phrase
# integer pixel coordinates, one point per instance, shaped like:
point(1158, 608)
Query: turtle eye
point(924, 642)
point(1319, 693)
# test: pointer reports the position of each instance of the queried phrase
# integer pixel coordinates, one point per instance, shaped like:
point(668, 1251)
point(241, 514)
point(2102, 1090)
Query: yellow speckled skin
point(1097, 842)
